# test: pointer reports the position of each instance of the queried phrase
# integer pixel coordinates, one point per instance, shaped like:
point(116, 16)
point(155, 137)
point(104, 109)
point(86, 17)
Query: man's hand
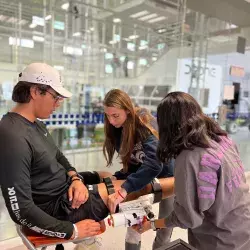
point(115, 199)
point(88, 228)
point(78, 193)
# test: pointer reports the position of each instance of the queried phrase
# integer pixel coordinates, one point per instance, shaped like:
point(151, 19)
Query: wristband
point(76, 175)
point(121, 195)
point(152, 223)
point(76, 180)
point(75, 231)
point(109, 185)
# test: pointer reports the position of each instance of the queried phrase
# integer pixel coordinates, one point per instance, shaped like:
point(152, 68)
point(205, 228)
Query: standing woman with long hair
point(133, 134)
point(212, 198)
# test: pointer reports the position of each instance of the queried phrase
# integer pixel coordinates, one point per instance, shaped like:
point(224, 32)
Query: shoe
point(92, 243)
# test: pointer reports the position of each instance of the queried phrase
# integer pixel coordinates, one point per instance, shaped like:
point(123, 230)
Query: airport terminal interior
point(146, 48)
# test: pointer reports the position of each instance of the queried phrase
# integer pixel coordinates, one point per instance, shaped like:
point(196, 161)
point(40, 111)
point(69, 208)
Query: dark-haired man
point(40, 187)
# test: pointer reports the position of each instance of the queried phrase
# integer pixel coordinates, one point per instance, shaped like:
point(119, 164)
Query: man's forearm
point(64, 161)
point(71, 172)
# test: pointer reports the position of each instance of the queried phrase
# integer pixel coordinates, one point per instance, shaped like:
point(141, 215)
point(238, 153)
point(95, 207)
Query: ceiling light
point(92, 29)
point(144, 18)
point(133, 37)
point(126, 39)
point(154, 59)
point(48, 17)
point(58, 67)
point(116, 20)
point(161, 30)
point(112, 42)
point(65, 6)
point(139, 14)
point(38, 38)
point(143, 47)
point(72, 51)
point(157, 19)
point(32, 25)
point(231, 26)
point(77, 34)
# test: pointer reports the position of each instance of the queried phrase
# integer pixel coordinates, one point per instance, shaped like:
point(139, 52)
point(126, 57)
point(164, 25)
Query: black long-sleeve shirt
point(33, 175)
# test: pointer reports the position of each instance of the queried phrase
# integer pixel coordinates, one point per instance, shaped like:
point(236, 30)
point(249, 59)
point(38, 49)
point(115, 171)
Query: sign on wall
point(210, 89)
point(237, 71)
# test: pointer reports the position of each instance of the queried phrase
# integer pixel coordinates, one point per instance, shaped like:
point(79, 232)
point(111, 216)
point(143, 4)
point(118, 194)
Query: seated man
point(41, 189)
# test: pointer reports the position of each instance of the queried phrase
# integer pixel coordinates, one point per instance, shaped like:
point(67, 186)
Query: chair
point(33, 240)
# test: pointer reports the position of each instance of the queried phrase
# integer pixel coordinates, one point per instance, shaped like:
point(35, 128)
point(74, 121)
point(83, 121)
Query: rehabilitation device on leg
point(135, 212)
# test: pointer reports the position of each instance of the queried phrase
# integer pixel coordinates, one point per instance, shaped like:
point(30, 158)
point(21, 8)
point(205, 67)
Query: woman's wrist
point(123, 192)
point(160, 223)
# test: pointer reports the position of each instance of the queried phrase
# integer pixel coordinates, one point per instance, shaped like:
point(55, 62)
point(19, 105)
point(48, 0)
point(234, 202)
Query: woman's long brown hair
point(133, 128)
point(183, 125)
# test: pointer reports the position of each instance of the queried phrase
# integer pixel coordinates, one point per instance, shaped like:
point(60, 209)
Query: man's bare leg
point(167, 185)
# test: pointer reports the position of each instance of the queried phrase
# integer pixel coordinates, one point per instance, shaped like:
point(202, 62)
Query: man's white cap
point(42, 73)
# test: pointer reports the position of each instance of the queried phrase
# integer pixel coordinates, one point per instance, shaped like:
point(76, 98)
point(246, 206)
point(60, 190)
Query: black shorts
point(94, 208)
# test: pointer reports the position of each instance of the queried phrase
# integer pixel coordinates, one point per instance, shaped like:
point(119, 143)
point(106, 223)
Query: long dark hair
point(133, 128)
point(183, 125)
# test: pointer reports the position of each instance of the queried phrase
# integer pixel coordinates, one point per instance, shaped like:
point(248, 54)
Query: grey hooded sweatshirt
point(212, 198)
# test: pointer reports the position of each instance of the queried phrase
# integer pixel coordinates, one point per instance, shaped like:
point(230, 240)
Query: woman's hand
point(78, 193)
point(145, 226)
point(115, 199)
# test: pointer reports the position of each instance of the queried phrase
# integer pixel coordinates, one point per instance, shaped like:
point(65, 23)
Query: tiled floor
point(112, 238)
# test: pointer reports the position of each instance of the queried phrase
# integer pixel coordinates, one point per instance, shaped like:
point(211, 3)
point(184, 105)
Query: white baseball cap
point(42, 73)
